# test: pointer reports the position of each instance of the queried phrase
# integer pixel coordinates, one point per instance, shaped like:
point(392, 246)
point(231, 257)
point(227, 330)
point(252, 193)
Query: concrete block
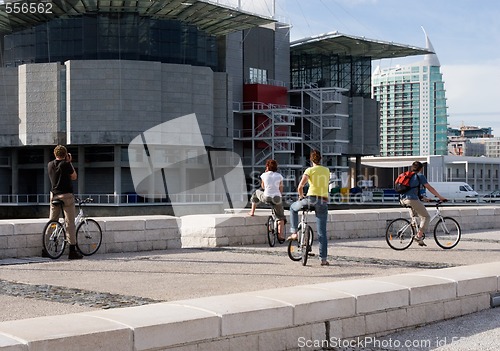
point(371, 295)
point(7, 228)
point(171, 244)
point(162, 325)
point(472, 304)
point(130, 246)
point(197, 221)
point(128, 236)
point(33, 240)
point(17, 241)
point(336, 329)
point(215, 345)
point(30, 226)
point(423, 288)
point(70, 332)
point(344, 216)
point(276, 340)
point(244, 313)
point(397, 319)
point(162, 222)
point(311, 304)
point(244, 342)
point(353, 326)
point(8, 253)
point(154, 234)
point(366, 215)
point(434, 312)
point(466, 212)
point(8, 344)
point(452, 309)
point(469, 281)
point(190, 347)
point(416, 315)
point(145, 246)
point(132, 223)
point(376, 322)
point(162, 245)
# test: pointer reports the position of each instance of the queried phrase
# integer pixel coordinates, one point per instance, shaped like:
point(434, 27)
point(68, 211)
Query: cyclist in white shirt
point(272, 183)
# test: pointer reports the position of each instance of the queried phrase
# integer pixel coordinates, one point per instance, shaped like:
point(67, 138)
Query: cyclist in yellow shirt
point(318, 178)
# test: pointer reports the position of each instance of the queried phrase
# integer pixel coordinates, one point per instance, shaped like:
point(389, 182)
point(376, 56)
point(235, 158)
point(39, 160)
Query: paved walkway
point(37, 287)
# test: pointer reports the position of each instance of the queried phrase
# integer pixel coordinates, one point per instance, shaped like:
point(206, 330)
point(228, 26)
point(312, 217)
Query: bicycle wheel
point(306, 244)
point(447, 233)
point(54, 239)
point(294, 247)
point(311, 237)
point(271, 236)
point(399, 234)
point(88, 237)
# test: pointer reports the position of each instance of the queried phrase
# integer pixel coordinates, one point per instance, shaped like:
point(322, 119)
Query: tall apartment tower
point(413, 115)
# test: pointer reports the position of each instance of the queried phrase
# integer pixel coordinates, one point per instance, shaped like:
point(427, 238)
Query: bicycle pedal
point(311, 254)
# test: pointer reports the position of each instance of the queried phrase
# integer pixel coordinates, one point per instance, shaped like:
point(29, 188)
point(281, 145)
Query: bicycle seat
point(58, 202)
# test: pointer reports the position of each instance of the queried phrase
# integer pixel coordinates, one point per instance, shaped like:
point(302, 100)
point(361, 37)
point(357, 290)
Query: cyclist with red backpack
point(411, 197)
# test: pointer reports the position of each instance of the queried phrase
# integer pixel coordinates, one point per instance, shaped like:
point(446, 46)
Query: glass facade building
point(111, 36)
point(343, 71)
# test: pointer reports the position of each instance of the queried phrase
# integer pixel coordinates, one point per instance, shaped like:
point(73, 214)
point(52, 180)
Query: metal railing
point(116, 199)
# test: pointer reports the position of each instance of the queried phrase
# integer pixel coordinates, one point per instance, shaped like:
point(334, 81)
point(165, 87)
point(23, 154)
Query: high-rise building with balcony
point(413, 112)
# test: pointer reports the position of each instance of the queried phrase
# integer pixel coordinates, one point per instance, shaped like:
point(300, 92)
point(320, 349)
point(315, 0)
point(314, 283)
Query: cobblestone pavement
point(34, 287)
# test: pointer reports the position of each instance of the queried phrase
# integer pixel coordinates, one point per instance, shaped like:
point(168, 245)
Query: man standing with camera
point(61, 174)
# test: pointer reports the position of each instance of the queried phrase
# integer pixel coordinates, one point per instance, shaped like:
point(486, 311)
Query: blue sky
point(465, 35)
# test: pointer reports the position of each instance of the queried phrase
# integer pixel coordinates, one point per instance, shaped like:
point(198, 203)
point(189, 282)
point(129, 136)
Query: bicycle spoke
point(399, 234)
point(88, 237)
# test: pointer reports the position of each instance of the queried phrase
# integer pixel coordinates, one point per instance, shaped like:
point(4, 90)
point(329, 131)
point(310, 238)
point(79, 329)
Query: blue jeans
point(321, 210)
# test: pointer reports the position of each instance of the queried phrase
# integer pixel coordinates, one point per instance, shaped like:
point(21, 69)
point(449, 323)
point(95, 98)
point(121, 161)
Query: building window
point(258, 76)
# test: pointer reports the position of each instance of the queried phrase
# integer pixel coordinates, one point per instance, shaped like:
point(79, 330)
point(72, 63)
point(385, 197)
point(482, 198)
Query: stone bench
point(276, 319)
point(22, 238)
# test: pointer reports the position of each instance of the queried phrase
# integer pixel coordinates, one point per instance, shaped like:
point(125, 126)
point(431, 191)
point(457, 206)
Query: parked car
point(492, 197)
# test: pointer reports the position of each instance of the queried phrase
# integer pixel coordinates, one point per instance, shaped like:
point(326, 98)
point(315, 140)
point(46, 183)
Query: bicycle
point(401, 232)
point(300, 249)
point(88, 233)
point(272, 226)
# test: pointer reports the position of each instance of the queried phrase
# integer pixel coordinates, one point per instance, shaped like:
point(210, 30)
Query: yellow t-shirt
point(319, 177)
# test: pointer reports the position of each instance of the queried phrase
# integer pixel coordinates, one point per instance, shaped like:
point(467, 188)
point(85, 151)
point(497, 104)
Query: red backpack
point(402, 182)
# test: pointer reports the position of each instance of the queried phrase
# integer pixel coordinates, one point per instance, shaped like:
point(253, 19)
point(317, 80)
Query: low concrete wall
point(22, 238)
point(295, 318)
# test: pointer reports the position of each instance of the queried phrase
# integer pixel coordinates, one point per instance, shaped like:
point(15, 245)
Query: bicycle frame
point(415, 220)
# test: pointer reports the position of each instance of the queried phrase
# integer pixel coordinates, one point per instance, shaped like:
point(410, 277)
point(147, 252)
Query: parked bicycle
point(300, 249)
point(401, 232)
point(88, 233)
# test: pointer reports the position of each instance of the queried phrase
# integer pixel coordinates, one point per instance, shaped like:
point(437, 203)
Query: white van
point(455, 191)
